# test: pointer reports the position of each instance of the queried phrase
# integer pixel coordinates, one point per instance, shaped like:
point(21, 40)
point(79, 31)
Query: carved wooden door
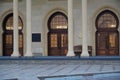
point(58, 44)
point(107, 43)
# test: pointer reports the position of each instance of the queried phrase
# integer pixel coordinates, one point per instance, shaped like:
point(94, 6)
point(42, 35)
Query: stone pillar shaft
point(15, 29)
point(70, 29)
point(28, 29)
point(84, 29)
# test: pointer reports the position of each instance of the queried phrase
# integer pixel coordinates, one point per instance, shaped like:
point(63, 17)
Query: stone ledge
point(61, 58)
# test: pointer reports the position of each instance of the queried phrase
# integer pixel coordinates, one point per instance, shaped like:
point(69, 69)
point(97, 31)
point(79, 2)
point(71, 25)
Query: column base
point(85, 54)
point(28, 54)
point(15, 54)
point(70, 53)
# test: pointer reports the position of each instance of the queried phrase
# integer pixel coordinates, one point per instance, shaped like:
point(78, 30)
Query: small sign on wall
point(36, 37)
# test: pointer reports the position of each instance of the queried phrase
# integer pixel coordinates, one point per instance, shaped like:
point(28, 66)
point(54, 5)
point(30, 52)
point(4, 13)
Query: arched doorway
point(8, 35)
point(107, 35)
point(57, 35)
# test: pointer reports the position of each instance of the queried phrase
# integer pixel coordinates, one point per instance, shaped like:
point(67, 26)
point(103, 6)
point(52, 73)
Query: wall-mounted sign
point(36, 37)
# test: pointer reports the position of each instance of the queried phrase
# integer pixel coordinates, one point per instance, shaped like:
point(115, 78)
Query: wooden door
point(107, 43)
point(8, 44)
point(58, 44)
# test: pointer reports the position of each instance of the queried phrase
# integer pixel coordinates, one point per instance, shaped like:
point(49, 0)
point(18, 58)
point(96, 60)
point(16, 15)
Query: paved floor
point(60, 69)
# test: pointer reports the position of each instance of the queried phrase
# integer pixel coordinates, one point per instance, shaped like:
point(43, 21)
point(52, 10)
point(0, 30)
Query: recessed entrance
point(57, 35)
point(8, 35)
point(107, 35)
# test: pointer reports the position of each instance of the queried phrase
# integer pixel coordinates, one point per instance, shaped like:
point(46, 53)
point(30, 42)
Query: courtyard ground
point(59, 68)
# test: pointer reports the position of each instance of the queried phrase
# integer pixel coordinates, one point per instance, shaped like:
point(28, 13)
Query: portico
point(70, 28)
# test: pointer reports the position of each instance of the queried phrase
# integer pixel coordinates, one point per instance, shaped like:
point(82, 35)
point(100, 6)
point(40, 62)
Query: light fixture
point(112, 25)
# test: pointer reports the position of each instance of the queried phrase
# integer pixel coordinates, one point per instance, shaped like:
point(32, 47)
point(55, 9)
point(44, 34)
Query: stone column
point(70, 28)
point(28, 29)
point(84, 29)
point(15, 29)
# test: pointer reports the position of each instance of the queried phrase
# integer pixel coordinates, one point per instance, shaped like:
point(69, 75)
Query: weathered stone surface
point(65, 69)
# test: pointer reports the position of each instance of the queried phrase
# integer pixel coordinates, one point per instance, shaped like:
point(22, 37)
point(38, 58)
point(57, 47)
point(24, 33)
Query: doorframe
point(45, 27)
point(92, 24)
point(58, 32)
point(116, 12)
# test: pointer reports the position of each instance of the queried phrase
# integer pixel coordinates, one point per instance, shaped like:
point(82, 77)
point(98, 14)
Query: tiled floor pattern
point(81, 69)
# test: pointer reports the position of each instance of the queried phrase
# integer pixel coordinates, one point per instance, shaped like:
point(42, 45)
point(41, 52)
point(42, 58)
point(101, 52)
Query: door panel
point(53, 40)
point(101, 40)
point(113, 43)
point(107, 43)
point(113, 40)
point(57, 44)
point(101, 43)
point(7, 44)
point(64, 44)
point(53, 44)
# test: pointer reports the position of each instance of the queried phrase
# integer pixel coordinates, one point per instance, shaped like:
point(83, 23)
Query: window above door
point(57, 21)
point(107, 20)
